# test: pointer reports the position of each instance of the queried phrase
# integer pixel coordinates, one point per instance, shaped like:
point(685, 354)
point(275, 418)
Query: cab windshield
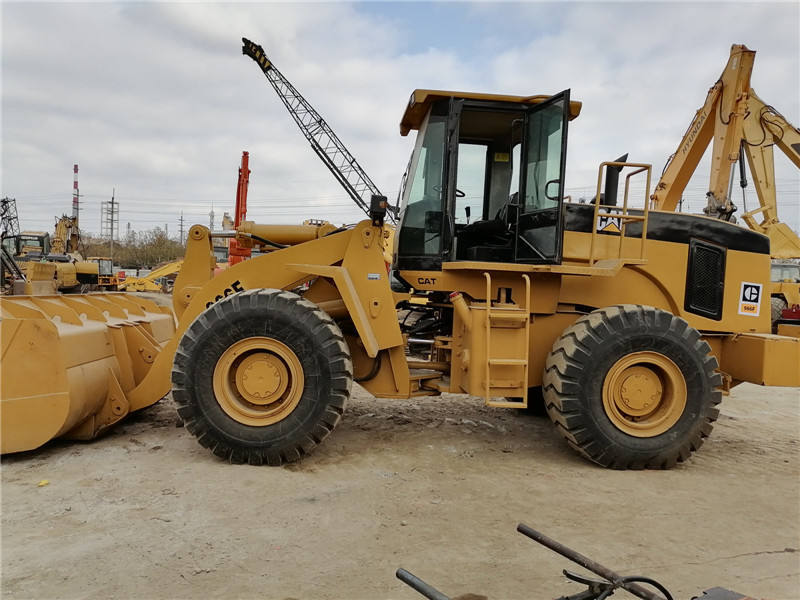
point(104, 266)
point(423, 200)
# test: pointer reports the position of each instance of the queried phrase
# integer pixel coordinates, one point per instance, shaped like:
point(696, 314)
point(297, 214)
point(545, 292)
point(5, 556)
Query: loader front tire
point(632, 387)
point(262, 377)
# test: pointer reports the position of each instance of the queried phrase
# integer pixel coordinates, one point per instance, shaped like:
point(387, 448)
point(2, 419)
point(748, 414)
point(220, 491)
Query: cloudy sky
point(156, 101)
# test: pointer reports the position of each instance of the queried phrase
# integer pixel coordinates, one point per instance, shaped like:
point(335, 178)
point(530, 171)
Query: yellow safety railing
point(622, 213)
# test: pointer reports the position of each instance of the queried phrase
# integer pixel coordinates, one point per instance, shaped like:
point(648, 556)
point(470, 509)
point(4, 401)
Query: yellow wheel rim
point(644, 394)
point(258, 381)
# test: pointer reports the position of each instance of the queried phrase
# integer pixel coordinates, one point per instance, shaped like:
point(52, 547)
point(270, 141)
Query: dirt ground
point(436, 486)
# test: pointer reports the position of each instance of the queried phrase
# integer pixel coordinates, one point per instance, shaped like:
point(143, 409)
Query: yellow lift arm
point(738, 122)
point(148, 283)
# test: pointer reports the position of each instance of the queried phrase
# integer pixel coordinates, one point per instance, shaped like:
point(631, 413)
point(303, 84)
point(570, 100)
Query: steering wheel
point(438, 189)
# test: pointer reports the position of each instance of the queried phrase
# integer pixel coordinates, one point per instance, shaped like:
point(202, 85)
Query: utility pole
point(181, 222)
point(75, 195)
point(111, 247)
point(109, 219)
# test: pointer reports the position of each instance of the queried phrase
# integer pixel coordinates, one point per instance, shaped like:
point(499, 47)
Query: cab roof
point(421, 100)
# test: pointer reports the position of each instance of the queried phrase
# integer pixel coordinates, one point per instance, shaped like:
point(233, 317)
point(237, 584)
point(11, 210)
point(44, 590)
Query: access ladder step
point(506, 384)
point(425, 375)
point(508, 362)
point(516, 315)
point(509, 320)
point(507, 403)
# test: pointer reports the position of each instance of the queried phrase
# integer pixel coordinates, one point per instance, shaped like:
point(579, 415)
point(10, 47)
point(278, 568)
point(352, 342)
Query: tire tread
point(328, 340)
point(570, 358)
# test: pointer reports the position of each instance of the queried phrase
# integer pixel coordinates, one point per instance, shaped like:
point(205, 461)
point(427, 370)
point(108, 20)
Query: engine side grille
point(705, 279)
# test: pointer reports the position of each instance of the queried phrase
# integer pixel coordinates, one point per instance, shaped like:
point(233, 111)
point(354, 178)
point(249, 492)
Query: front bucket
point(69, 361)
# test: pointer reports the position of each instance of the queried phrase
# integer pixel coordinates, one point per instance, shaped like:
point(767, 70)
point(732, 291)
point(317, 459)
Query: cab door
point(539, 222)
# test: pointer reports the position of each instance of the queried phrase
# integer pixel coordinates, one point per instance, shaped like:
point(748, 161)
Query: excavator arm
point(66, 236)
point(721, 119)
point(764, 129)
point(739, 124)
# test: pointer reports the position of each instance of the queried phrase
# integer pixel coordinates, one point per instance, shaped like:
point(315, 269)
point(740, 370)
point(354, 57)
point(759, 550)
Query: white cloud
point(157, 101)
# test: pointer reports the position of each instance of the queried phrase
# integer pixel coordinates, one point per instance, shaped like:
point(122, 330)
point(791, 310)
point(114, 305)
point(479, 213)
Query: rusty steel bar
point(415, 583)
point(587, 563)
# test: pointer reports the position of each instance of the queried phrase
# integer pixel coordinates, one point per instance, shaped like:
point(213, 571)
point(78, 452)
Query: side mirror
point(377, 209)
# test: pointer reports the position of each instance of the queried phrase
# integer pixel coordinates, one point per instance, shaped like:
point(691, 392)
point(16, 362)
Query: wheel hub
point(640, 390)
point(262, 378)
point(258, 381)
point(644, 394)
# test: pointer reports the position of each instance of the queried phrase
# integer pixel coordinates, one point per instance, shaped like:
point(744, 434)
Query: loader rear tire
point(632, 387)
point(262, 377)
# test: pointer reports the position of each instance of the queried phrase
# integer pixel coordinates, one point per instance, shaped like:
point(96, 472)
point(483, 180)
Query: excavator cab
point(28, 243)
point(485, 182)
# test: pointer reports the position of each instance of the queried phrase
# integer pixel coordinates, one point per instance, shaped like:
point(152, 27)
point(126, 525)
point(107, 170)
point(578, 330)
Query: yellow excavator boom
point(720, 119)
point(738, 123)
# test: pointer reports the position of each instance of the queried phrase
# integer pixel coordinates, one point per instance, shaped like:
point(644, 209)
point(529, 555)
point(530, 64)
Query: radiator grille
point(705, 279)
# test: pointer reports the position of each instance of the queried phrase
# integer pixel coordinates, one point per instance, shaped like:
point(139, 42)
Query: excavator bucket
point(70, 361)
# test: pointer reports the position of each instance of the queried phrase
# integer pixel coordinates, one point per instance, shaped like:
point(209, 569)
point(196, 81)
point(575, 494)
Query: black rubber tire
point(777, 306)
point(576, 369)
point(318, 344)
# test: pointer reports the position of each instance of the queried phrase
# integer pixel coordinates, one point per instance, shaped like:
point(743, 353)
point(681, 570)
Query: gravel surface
point(435, 485)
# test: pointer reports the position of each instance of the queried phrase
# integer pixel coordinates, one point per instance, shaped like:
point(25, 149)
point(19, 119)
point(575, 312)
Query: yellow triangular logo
point(610, 227)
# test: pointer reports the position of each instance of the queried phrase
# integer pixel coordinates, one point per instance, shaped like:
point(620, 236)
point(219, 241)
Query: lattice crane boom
point(327, 145)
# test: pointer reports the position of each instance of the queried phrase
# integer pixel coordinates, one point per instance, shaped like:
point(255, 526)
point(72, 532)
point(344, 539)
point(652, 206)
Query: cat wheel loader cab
point(485, 181)
point(630, 323)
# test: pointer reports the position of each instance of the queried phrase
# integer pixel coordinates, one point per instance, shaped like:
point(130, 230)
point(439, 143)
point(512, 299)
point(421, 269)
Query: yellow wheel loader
point(633, 322)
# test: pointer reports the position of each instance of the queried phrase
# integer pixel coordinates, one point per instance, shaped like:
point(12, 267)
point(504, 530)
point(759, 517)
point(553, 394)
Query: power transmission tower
point(75, 196)
point(109, 220)
point(181, 228)
point(9, 222)
point(330, 149)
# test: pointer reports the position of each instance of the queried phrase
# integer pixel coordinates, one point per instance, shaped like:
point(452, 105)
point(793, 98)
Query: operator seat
point(488, 240)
